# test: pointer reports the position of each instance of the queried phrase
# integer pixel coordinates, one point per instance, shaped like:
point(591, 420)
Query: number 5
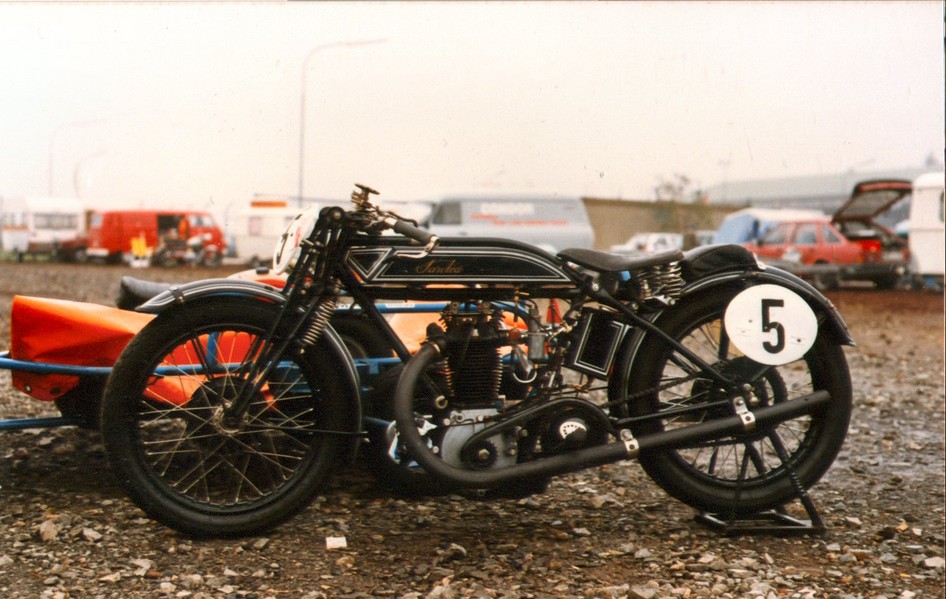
point(772, 325)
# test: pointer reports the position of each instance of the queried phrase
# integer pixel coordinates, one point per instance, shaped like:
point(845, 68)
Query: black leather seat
point(607, 262)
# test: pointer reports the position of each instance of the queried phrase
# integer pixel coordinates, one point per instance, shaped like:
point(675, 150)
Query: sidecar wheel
point(193, 467)
point(361, 337)
point(707, 476)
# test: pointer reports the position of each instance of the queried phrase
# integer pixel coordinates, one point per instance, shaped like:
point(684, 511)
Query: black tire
point(825, 281)
point(887, 282)
point(385, 456)
point(178, 460)
point(397, 473)
point(706, 477)
point(361, 336)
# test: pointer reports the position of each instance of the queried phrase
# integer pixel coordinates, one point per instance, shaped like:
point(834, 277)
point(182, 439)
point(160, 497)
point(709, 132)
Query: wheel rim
point(194, 453)
point(751, 458)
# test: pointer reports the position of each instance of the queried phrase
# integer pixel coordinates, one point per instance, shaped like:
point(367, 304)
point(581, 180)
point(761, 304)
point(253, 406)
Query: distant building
point(817, 192)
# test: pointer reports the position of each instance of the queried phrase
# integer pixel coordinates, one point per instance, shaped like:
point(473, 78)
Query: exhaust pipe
point(576, 460)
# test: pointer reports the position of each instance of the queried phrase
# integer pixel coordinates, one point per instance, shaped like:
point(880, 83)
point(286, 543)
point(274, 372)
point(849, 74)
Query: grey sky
point(198, 104)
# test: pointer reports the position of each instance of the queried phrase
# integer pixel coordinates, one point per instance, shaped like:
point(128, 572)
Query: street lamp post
point(302, 103)
point(78, 169)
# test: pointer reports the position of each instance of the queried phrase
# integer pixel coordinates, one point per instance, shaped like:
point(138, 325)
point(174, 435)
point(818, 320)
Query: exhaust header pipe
point(576, 460)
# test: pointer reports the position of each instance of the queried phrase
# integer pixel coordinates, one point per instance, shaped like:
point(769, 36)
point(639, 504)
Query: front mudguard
point(214, 290)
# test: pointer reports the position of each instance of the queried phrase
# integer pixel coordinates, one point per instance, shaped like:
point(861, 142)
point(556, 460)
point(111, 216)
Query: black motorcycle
point(726, 380)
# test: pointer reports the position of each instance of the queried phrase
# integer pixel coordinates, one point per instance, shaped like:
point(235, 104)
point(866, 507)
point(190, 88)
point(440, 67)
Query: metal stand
point(771, 522)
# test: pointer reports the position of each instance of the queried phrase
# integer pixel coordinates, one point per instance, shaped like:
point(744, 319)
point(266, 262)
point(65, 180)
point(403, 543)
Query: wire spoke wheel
point(743, 473)
point(189, 460)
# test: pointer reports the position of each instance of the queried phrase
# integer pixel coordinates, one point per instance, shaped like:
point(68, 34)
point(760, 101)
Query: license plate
point(893, 256)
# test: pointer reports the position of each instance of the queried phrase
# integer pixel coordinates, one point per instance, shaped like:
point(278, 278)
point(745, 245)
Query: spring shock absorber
point(318, 321)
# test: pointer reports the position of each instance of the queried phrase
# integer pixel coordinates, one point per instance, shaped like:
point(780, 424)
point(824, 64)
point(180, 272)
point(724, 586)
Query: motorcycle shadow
point(58, 467)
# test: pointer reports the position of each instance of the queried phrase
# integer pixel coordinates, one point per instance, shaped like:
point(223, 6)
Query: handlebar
point(422, 236)
point(361, 197)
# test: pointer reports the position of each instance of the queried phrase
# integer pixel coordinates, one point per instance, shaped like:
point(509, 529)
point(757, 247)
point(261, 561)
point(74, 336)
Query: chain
point(653, 390)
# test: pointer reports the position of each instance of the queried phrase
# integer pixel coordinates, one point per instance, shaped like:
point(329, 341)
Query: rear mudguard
point(828, 315)
point(711, 266)
point(741, 271)
point(216, 289)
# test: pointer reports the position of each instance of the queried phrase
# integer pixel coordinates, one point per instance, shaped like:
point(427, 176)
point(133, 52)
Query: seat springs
point(659, 282)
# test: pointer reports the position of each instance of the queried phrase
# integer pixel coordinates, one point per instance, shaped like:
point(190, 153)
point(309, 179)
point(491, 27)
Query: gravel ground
point(66, 530)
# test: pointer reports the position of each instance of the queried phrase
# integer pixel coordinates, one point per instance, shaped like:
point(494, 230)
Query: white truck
point(43, 226)
point(551, 223)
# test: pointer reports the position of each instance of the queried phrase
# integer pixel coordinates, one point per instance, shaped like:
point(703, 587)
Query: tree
point(673, 190)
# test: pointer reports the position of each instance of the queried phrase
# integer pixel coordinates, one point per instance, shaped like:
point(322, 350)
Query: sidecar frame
point(366, 368)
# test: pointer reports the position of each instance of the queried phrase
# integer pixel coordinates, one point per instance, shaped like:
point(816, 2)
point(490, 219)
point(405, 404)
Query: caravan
point(43, 226)
point(926, 232)
point(254, 230)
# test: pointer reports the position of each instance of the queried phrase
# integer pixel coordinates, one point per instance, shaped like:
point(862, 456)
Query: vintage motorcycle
point(726, 380)
point(197, 250)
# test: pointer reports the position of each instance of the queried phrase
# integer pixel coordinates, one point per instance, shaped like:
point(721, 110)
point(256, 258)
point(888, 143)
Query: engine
point(473, 365)
point(472, 382)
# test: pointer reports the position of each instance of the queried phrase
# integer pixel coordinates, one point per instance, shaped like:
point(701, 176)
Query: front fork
point(307, 324)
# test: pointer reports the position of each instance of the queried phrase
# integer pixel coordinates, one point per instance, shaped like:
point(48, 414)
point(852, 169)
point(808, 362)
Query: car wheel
point(886, 282)
point(825, 281)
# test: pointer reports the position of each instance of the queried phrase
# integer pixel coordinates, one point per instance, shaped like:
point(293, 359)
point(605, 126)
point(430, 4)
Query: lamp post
point(77, 171)
point(52, 143)
point(302, 104)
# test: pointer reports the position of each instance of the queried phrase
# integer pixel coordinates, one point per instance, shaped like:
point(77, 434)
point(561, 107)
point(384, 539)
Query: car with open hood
point(850, 245)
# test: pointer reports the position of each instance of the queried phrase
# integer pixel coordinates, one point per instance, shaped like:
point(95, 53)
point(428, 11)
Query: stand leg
point(774, 522)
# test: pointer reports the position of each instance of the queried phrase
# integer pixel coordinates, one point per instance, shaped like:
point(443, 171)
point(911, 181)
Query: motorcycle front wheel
point(188, 463)
point(743, 474)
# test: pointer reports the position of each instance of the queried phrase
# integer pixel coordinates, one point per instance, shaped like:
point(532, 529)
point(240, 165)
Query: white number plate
point(771, 324)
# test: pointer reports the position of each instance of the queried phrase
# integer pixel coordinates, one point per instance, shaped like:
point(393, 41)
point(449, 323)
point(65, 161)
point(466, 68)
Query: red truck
point(123, 235)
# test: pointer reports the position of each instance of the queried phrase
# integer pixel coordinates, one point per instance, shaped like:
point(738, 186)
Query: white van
point(48, 226)
point(253, 231)
point(926, 231)
point(551, 223)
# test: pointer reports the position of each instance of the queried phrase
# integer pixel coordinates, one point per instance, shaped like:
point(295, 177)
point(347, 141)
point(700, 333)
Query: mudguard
point(209, 289)
point(829, 316)
point(710, 267)
point(188, 292)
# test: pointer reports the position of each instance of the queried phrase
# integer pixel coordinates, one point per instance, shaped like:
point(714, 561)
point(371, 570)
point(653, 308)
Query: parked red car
point(859, 247)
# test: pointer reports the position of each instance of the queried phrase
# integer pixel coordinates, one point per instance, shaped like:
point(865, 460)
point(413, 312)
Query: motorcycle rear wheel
point(186, 465)
point(744, 474)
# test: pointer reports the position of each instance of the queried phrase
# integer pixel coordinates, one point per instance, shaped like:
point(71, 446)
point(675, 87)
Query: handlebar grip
point(421, 236)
